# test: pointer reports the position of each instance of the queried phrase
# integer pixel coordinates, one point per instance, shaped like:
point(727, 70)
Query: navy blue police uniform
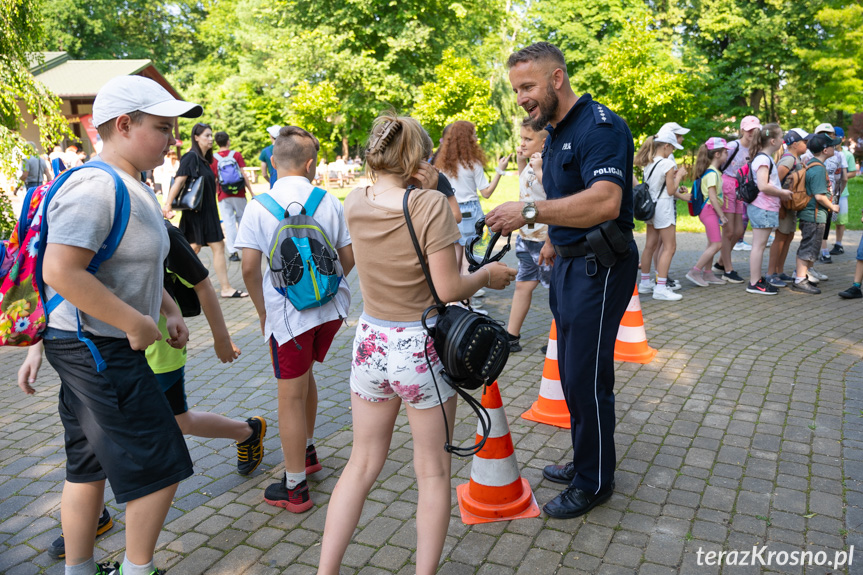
point(588, 300)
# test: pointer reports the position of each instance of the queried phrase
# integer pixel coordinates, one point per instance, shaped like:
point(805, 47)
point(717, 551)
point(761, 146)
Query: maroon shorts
point(290, 362)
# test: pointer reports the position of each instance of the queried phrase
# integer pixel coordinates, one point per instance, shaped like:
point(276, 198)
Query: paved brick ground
point(747, 429)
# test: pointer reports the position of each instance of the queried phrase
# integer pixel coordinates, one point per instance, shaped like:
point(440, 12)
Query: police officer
point(587, 176)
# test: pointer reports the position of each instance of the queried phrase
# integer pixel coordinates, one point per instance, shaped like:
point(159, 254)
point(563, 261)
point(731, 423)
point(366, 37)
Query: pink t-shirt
point(763, 201)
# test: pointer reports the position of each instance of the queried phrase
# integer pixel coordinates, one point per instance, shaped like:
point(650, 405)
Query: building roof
point(69, 78)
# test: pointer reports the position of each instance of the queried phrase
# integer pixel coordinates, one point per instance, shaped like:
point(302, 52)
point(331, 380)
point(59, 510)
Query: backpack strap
point(314, 201)
point(122, 210)
point(271, 205)
point(731, 157)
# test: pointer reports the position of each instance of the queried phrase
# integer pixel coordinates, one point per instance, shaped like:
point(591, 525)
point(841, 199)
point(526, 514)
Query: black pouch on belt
point(601, 248)
point(618, 241)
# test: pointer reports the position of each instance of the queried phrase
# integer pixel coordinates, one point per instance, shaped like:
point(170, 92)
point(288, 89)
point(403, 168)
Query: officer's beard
point(547, 109)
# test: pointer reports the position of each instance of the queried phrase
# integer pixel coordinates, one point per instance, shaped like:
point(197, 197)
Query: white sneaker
point(646, 287)
point(742, 246)
point(665, 294)
point(480, 293)
point(817, 275)
point(810, 276)
point(673, 285)
point(475, 303)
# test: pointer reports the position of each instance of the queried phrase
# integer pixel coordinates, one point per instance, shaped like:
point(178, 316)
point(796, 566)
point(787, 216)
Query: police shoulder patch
point(601, 114)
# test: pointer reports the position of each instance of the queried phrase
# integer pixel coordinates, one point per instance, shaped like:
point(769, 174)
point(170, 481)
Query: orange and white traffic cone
point(631, 344)
point(496, 491)
point(551, 406)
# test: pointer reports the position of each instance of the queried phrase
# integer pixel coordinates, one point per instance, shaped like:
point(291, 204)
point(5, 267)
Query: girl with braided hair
point(393, 360)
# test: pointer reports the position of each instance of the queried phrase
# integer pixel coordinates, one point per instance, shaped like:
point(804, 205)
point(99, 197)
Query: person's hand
point(499, 275)
point(785, 194)
point(144, 333)
point(226, 350)
point(547, 254)
point(177, 331)
point(723, 220)
point(167, 212)
point(536, 162)
point(427, 176)
point(505, 218)
point(681, 171)
point(263, 324)
point(835, 208)
point(503, 162)
point(30, 369)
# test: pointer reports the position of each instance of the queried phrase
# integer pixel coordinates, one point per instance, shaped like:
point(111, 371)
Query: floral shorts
point(390, 361)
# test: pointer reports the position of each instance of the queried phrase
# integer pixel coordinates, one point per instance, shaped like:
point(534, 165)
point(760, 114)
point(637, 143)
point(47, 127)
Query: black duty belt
point(582, 248)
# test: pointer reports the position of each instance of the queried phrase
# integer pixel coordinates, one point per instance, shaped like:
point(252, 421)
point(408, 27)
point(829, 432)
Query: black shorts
point(173, 385)
point(118, 424)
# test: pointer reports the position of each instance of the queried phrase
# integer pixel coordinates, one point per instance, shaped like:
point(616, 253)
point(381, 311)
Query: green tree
point(455, 93)
point(21, 33)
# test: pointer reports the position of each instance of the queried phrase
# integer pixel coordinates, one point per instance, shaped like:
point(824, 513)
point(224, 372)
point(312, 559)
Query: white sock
point(130, 568)
point(661, 282)
point(645, 277)
point(88, 567)
point(310, 441)
point(294, 479)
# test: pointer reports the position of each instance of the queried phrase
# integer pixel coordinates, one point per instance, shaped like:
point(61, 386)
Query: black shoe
point(805, 287)
point(251, 451)
point(295, 500)
point(58, 547)
point(574, 502)
point(312, 463)
point(762, 287)
point(837, 250)
point(853, 292)
point(544, 349)
point(825, 259)
point(732, 277)
point(514, 342)
point(234, 257)
point(719, 266)
point(559, 473)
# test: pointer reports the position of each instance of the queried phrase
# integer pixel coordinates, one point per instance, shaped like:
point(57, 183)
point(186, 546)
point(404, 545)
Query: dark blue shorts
point(118, 424)
point(173, 385)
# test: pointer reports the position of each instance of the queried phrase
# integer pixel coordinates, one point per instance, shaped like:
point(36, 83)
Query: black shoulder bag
point(644, 206)
point(192, 194)
point(472, 348)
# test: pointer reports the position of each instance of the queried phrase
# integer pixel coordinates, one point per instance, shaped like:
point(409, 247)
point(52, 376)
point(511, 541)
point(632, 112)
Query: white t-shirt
point(467, 182)
point(763, 201)
point(81, 215)
point(256, 232)
point(739, 159)
point(656, 172)
point(834, 165)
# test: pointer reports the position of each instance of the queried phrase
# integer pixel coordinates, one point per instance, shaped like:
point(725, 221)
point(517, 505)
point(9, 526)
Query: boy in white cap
point(266, 157)
point(837, 173)
point(118, 424)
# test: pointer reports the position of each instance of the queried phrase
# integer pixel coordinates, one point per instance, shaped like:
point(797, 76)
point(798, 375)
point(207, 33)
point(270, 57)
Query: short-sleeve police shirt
point(591, 143)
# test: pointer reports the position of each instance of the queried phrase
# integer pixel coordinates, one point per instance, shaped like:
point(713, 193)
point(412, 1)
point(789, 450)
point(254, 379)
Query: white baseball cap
point(675, 127)
point(667, 137)
point(273, 131)
point(824, 128)
point(126, 94)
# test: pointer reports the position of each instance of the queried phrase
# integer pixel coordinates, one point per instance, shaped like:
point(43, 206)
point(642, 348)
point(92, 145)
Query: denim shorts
point(467, 226)
point(761, 218)
point(529, 269)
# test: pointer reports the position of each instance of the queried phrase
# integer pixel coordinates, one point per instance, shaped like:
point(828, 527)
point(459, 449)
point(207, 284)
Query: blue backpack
point(698, 201)
point(230, 174)
point(304, 263)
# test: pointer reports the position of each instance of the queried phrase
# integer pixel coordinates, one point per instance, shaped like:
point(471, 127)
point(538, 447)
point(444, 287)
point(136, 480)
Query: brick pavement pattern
point(747, 429)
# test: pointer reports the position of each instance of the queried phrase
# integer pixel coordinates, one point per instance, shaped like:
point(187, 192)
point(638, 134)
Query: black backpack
point(644, 206)
point(747, 186)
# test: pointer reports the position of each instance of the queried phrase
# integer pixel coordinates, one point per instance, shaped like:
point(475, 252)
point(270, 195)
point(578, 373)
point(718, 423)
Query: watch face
point(529, 212)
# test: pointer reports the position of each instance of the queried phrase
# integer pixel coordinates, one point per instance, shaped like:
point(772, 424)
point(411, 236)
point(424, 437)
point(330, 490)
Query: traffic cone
point(496, 491)
point(551, 406)
point(631, 344)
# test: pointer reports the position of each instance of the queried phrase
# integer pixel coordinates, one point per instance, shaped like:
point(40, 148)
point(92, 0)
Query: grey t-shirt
point(81, 215)
point(35, 168)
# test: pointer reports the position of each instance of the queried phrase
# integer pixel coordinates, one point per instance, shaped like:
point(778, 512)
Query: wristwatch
point(528, 212)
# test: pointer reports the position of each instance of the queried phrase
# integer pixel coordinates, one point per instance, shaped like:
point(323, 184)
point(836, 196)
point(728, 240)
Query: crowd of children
point(750, 181)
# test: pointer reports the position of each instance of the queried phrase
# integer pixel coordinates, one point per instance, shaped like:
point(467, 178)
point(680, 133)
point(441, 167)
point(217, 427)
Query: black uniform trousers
point(588, 301)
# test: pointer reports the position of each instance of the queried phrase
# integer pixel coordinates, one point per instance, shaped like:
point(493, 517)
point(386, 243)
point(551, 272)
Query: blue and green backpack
point(304, 264)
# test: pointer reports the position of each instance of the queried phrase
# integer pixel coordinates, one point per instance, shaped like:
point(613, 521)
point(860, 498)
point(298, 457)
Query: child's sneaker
point(761, 287)
point(719, 267)
point(819, 277)
point(671, 284)
point(312, 463)
point(805, 287)
point(514, 342)
point(251, 451)
point(773, 279)
point(732, 277)
point(837, 250)
point(117, 569)
point(646, 287)
point(742, 246)
point(711, 278)
point(696, 276)
point(854, 292)
point(295, 500)
point(58, 547)
point(665, 294)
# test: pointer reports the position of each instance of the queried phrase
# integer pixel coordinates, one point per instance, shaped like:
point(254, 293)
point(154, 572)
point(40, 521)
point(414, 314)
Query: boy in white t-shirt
point(296, 338)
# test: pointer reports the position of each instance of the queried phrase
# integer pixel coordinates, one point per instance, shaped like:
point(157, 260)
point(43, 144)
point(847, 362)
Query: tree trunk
point(345, 148)
point(755, 100)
